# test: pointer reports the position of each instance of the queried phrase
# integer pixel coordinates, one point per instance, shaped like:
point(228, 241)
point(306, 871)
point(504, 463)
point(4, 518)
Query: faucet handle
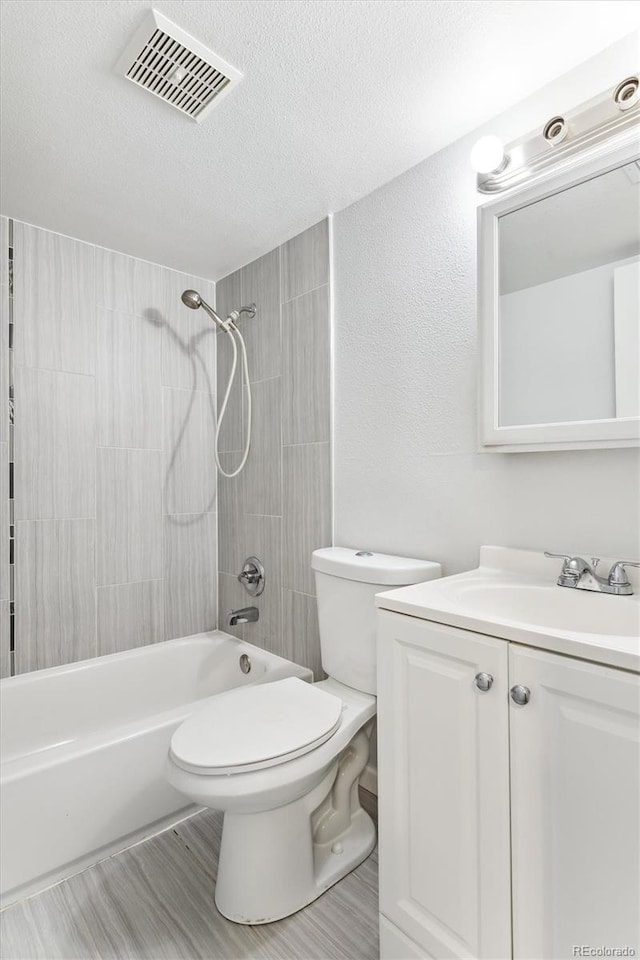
point(572, 568)
point(618, 574)
point(566, 566)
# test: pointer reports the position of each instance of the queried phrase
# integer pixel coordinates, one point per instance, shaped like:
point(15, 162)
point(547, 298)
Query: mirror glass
point(569, 304)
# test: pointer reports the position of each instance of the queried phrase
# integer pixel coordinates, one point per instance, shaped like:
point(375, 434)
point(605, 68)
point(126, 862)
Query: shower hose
point(232, 331)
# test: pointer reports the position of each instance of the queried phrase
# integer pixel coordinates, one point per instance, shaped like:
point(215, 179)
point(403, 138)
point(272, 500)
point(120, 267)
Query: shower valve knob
point(252, 576)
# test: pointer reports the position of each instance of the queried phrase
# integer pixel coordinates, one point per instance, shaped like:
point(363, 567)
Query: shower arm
point(234, 316)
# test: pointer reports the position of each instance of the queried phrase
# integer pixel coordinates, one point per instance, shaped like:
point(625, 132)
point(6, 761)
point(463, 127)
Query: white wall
point(408, 477)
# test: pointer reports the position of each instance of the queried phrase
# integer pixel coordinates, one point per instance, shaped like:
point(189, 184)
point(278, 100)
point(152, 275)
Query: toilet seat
point(254, 727)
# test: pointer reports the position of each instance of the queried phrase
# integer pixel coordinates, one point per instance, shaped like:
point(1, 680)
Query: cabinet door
point(575, 751)
point(443, 778)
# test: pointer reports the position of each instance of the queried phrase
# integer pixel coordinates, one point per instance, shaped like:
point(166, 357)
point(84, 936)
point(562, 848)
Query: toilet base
point(271, 866)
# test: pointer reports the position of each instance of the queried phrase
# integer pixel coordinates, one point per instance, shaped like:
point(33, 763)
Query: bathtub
point(83, 747)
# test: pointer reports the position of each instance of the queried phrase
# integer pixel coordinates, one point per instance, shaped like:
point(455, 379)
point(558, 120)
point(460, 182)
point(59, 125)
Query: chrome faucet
point(579, 575)
point(243, 615)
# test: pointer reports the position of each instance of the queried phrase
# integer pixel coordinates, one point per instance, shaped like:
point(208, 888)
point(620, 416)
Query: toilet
point(283, 760)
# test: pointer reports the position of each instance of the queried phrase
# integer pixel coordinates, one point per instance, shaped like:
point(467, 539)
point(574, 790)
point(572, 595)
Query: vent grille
point(175, 67)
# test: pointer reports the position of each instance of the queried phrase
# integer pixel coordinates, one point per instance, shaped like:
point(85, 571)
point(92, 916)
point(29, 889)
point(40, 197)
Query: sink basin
point(545, 606)
point(513, 595)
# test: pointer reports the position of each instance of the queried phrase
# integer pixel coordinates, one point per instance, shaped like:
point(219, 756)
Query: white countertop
point(513, 595)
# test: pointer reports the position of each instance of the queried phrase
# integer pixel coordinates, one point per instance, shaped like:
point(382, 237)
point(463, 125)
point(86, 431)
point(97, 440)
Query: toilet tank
point(346, 584)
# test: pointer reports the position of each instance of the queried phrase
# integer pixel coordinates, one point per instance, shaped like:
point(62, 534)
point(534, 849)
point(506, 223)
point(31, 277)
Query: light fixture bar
point(612, 115)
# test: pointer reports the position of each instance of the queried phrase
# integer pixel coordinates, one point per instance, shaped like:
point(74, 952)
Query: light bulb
point(487, 154)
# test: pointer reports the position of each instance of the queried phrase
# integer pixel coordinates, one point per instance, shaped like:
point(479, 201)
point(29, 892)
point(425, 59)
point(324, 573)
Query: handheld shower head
point(192, 299)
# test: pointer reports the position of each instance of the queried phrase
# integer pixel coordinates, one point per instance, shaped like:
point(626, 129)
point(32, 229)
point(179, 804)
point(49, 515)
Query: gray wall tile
point(263, 539)
point(306, 472)
point(233, 429)
point(228, 294)
point(131, 285)
point(190, 574)
point(188, 337)
point(130, 615)
point(189, 463)
point(189, 353)
point(231, 597)
point(263, 471)
point(228, 297)
point(289, 357)
point(5, 640)
point(101, 334)
point(260, 284)
point(231, 516)
point(4, 521)
point(54, 284)
point(55, 593)
point(129, 533)
point(306, 368)
point(300, 632)
point(54, 445)
point(304, 263)
point(128, 381)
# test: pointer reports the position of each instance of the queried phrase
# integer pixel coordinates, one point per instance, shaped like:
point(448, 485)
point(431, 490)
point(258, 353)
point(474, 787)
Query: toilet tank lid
point(369, 567)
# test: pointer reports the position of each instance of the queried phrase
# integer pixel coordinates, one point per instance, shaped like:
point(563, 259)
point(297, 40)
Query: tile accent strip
point(11, 417)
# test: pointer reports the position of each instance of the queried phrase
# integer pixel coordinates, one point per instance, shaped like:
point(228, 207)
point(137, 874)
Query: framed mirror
point(559, 309)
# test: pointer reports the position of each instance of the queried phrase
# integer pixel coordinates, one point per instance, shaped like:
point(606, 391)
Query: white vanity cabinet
point(575, 805)
point(506, 829)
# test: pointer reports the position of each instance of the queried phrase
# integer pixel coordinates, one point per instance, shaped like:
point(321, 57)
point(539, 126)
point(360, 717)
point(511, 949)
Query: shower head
point(192, 299)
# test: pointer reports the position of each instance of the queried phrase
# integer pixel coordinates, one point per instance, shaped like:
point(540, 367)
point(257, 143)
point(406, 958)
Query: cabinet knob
point(483, 681)
point(520, 694)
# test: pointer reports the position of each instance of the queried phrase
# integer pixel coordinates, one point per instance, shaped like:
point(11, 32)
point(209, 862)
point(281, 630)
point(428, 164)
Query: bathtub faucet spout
point(243, 615)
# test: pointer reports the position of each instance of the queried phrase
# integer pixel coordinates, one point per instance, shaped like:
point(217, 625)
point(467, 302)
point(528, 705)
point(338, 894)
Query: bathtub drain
point(245, 663)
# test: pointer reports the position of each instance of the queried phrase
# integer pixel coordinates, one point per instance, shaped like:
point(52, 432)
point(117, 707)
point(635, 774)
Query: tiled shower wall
point(114, 489)
point(279, 508)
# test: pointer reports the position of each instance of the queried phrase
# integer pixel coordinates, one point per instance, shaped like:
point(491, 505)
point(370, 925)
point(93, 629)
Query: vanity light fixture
point(627, 94)
point(555, 130)
point(614, 116)
point(488, 156)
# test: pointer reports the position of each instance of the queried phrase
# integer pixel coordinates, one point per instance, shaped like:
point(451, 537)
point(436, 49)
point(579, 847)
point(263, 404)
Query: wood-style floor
point(154, 901)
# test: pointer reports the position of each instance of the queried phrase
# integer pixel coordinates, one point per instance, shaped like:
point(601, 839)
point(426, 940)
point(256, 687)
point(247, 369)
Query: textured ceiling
point(338, 97)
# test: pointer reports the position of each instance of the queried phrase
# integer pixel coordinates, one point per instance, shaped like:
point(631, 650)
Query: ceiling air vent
point(176, 67)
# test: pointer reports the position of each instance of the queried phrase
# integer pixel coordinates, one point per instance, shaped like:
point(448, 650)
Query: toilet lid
point(254, 727)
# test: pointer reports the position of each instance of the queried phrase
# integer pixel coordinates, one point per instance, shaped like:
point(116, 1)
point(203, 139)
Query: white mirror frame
point(576, 435)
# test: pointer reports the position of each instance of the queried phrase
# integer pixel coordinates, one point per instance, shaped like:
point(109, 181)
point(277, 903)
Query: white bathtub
point(83, 748)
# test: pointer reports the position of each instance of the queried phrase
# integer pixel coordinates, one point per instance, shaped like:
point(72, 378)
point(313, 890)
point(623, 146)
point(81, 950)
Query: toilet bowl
point(276, 855)
point(283, 760)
